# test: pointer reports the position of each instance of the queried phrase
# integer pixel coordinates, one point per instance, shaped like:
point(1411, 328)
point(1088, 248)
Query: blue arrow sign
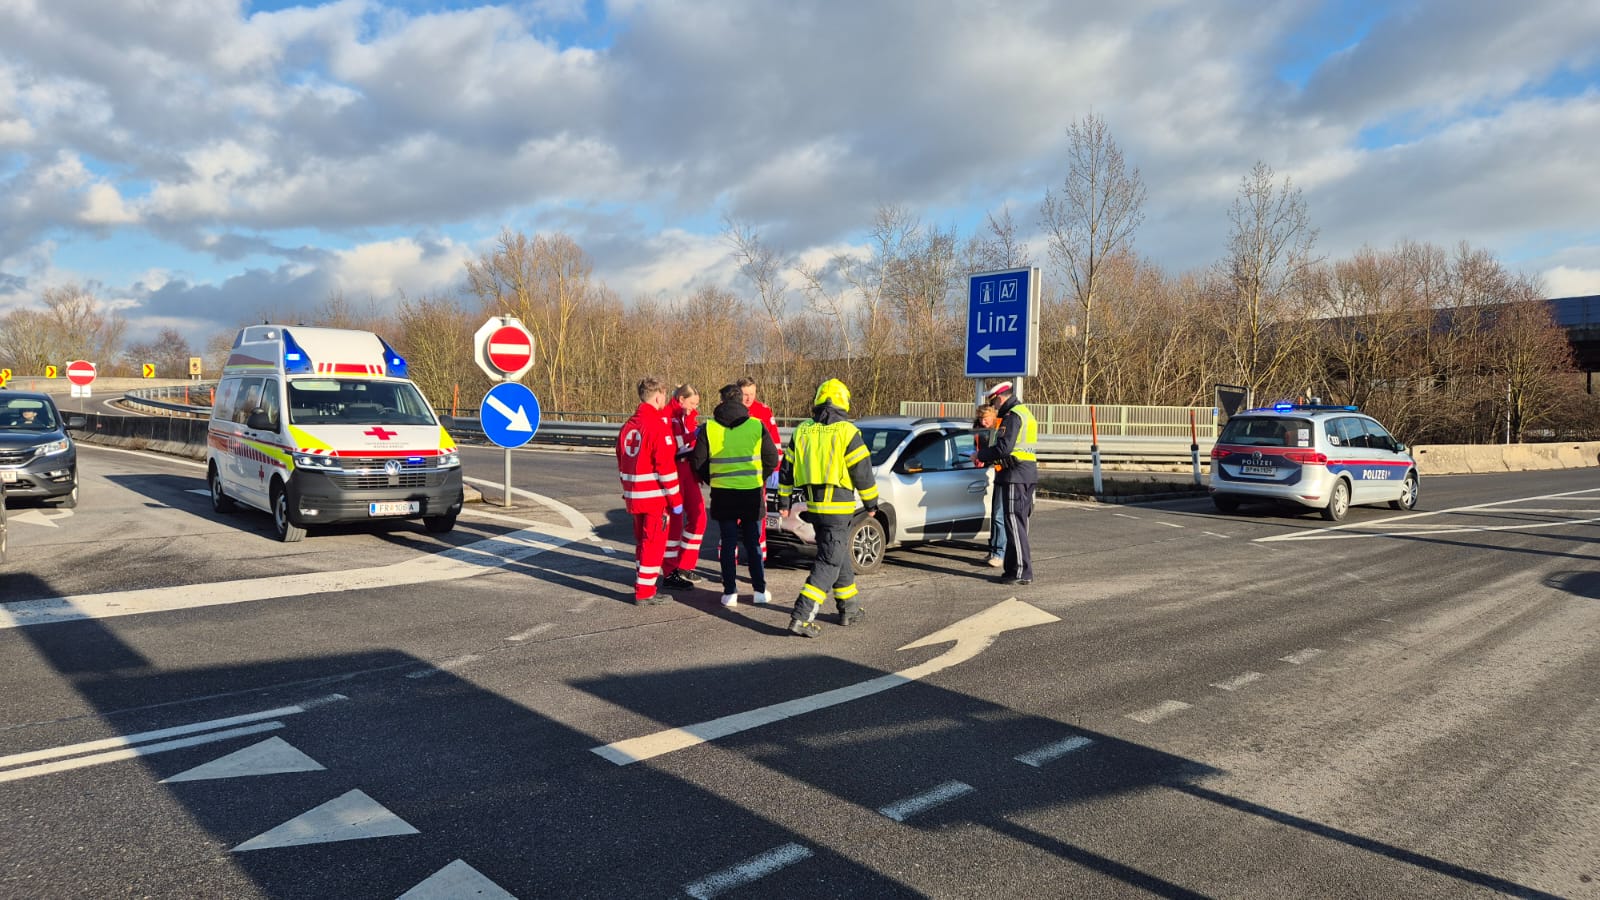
point(510, 414)
point(1002, 320)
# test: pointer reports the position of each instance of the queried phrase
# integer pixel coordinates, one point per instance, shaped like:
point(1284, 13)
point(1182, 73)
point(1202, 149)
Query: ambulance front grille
point(370, 480)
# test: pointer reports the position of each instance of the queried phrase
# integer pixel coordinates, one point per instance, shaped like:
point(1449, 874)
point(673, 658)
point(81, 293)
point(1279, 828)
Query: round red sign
point(80, 372)
point(509, 348)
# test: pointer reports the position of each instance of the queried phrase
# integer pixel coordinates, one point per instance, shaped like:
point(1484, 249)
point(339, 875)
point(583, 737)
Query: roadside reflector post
point(1194, 447)
point(1094, 449)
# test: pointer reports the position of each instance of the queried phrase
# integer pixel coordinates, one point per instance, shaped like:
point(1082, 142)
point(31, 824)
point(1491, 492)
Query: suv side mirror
point(260, 421)
point(76, 422)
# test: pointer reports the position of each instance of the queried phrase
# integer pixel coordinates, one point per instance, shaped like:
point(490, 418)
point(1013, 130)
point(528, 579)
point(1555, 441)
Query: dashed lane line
point(902, 810)
point(1301, 657)
point(1158, 712)
point(1239, 681)
point(748, 872)
point(1051, 752)
point(1387, 527)
point(532, 632)
point(96, 759)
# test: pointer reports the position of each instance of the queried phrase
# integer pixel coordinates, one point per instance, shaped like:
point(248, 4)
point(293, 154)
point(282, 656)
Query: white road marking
point(1051, 752)
point(273, 756)
point(456, 882)
point(531, 632)
point(176, 460)
point(1300, 657)
point(902, 810)
point(1338, 532)
point(1214, 534)
point(1169, 524)
point(176, 730)
point(1239, 681)
point(971, 635)
point(747, 872)
point(1124, 516)
point(204, 492)
point(576, 520)
point(465, 561)
point(1158, 712)
point(41, 517)
point(349, 817)
point(96, 759)
point(446, 666)
point(584, 604)
point(607, 550)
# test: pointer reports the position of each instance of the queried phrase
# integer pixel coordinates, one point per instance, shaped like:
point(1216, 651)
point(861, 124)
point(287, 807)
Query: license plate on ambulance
point(1258, 470)
point(394, 508)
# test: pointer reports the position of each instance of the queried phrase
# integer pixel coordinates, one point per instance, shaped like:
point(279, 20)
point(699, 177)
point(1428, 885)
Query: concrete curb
point(1459, 459)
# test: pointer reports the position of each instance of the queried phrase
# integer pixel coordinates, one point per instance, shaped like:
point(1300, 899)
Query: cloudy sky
point(198, 161)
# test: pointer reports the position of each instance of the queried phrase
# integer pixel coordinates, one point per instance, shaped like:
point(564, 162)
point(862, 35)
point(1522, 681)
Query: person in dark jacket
point(828, 465)
point(1016, 449)
point(735, 455)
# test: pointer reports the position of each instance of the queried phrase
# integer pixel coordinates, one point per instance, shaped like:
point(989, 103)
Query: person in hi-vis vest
point(1016, 449)
point(734, 454)
point(827, 464)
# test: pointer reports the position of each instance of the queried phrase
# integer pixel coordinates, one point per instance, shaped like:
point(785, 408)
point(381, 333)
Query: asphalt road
point(1185, 704)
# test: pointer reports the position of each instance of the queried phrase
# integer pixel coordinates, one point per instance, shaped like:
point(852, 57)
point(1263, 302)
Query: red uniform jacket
point(759, 410)
point(684, 424)
point(647, 463)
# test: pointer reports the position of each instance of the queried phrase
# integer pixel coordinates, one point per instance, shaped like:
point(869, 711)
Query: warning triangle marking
point(350, 817)
point(455, 881)
point(272, 756)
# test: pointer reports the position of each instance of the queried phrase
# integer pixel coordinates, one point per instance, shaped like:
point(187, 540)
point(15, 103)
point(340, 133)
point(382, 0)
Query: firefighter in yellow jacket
point(827, 464)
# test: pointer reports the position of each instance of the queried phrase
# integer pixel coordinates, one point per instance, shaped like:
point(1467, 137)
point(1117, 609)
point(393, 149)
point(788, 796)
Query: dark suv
point(37, 456)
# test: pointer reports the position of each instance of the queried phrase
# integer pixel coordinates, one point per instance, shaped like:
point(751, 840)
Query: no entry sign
point(80, 372)
point(505, 349)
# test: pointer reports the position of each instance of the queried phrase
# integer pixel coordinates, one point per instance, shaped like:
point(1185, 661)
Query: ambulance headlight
point(315, 461)
point(450, 459)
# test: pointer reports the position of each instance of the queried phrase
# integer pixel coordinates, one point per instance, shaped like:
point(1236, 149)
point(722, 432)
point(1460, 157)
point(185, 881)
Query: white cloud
point(1563, 281)
point(386, 269)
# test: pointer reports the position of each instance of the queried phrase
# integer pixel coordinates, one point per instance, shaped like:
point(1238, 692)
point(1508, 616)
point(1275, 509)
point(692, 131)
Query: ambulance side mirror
point(260, 421)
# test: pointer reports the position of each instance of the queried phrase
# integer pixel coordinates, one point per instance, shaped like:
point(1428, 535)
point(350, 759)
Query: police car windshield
point(1266, 431)
point(882, 441)
point(352, 401)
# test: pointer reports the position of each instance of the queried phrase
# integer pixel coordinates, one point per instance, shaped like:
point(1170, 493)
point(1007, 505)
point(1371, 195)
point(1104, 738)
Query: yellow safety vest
point(735, 455)
point(821, 461)
point(1027, 446)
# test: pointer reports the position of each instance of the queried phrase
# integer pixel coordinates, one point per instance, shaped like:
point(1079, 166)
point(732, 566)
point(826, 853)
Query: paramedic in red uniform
point(649, 470)
point(686, 531)
point(763, 414)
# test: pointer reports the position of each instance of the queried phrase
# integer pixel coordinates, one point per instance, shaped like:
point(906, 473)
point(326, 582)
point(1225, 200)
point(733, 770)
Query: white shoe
point(762, 599)
point(996, 562)
point(730, 599)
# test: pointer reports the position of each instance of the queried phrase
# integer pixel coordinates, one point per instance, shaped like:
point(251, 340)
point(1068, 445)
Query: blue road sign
point(510, 414)
point(1002, 323)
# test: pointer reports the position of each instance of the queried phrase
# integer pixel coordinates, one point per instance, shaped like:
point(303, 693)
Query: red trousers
point(650, 545)
point(686, 531)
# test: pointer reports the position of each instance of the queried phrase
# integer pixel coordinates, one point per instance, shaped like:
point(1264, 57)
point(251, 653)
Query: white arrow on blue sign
point(1002, 323)
point(510, 414)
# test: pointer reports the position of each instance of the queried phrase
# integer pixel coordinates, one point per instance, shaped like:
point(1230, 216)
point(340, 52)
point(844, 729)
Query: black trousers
point(1018, 500)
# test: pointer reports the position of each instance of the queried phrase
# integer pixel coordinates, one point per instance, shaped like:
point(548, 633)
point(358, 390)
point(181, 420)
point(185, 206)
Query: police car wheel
point(1225, 503)
point(1338, 502)
point(1408, 494)
point(867, 543)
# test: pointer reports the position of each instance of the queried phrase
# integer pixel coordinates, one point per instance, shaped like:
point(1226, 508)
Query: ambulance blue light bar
point(393, 363)
point(295, 360)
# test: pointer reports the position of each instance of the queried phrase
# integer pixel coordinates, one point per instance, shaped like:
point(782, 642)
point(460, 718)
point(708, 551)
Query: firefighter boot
point(803, 621)
point(851, 612)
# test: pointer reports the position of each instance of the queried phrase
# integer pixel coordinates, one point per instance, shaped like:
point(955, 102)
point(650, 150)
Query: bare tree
point(1093, 216)
point(435, 335)
point(168, 352)
point(1264, 276)
point(764, 267)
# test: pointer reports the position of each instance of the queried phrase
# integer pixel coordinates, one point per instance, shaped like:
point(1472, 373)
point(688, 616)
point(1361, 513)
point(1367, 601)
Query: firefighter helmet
point(833, 391)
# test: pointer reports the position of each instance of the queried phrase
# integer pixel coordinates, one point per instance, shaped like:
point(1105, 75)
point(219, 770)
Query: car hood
point(10, 440)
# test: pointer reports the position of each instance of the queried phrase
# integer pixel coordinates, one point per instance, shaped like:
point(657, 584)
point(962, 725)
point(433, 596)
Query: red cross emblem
point(633, 442)
point(381, 433)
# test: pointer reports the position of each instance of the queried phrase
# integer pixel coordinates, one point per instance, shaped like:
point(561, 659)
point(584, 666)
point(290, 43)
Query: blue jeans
point(730, 534)
point(997, 522)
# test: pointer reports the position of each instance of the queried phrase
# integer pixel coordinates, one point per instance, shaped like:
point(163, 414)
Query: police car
point(1319, 457)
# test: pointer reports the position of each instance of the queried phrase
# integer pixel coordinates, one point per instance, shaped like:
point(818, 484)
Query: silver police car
point(1318, 457)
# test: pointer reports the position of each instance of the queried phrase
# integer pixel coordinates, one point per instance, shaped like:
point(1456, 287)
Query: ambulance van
point(317, 426)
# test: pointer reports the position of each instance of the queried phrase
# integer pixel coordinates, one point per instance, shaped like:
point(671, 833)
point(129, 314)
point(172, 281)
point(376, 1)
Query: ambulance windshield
point(356, 401)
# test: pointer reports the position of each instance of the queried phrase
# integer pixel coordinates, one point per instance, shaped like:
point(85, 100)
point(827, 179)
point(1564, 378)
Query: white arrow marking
point(971, 635)
point(348, 817)
point(273, 756)
point(519, 419)
point(988, 353)
point(41, 517)
point(455, 881)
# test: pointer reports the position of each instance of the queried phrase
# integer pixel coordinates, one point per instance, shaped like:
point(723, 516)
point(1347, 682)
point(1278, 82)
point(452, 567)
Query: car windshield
point(1266, 431)
point(882, 441)
point(26, 414)
point(353, 401)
